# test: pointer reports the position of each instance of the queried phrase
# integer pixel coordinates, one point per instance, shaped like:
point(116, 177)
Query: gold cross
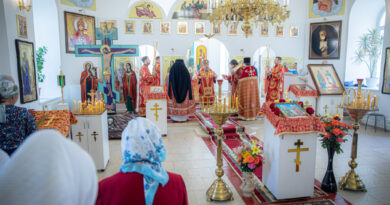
point(79, 135)
point(286, 92)
point(326, 109)
point(92, 93)
point(298, 150)
point(156, 109)
point(94, 134)
point(250, 72)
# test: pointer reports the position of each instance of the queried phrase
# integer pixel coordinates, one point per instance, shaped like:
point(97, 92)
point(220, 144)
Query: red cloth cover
point(127, 188)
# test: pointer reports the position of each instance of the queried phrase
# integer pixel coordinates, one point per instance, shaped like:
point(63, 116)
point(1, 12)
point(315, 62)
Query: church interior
point(194, 102)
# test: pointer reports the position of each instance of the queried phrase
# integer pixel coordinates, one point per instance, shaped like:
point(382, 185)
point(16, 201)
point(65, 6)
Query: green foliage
point(41, 52)
point(370, 48)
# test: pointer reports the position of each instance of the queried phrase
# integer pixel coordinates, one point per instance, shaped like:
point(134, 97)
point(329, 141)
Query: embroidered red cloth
point(302, 90)
point(127, 188)
point(56, 119)
point(284, 125)
point(154, 93)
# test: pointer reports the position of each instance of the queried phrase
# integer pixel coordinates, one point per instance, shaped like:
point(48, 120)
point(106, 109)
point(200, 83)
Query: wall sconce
point(25, 4)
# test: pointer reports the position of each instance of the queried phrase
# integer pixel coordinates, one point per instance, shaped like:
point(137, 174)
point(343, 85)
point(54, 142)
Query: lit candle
point(74, 106)
point(373, 102)
point(236, 103)
point(342, 101)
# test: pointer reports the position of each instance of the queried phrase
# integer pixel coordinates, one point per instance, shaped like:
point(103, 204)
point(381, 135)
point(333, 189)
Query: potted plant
point(41, 52)
point(335, 133)
point(249, 159)
point(368, 52)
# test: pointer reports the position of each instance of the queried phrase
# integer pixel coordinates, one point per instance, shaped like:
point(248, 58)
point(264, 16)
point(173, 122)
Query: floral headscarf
point(143, 152)
point(8, 89)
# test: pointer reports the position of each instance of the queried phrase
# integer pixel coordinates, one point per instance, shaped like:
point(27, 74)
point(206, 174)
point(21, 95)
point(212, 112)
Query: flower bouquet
point(335, 133)
point(249, 158)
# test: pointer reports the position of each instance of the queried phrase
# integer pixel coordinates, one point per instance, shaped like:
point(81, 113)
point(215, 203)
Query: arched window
point(363, 28)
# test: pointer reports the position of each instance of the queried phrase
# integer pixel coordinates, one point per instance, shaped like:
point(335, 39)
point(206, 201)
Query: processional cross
point(156, 108)
point(298, 150)
point(107, 51)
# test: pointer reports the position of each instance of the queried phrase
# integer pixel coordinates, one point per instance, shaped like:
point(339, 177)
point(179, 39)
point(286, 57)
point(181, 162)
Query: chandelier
point(256, 11)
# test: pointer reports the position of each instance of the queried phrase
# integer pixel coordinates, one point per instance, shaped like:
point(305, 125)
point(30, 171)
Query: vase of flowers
point(335, 133)
point(249, 159)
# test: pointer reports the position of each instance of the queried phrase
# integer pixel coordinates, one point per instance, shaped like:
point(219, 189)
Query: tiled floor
point(188, 155)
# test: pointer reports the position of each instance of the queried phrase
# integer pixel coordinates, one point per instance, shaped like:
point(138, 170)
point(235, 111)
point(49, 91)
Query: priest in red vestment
point(88, 82)
point(248, 92)
point(207, 78)
point(234, 76)
point(129, 81)
point(180, 104)
point(142, 179)
point(157, 72)
point(275, 82)
point(146, 79)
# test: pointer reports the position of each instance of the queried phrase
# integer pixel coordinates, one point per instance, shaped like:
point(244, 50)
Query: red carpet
point(262, 195)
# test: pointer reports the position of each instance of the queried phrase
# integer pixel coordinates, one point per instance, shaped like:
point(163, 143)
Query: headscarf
point(180, 80)
point(8, 89)
point(3, 158)
point(143, 152)
point(48, 169)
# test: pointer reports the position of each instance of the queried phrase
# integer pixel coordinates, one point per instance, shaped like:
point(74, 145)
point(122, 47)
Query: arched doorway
point(214, 51)
point(263, 59)
point(359, 25)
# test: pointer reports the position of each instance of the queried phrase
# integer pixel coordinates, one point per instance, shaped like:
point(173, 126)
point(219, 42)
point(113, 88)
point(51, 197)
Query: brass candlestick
point(357, 108)
point(219, 190)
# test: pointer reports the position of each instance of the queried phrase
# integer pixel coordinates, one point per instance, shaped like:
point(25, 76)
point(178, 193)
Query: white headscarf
point(3, 158)
point(143, 152)
point(8, 89)
point(48, 169)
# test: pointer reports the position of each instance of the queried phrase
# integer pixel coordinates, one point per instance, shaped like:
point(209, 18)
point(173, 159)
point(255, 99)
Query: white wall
point(8, 49)
point(47, 34)
point(106, 10)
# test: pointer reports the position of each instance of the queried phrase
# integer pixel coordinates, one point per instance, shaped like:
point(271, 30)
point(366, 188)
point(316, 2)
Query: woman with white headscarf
point(16, 123)
point(48, 169)
point(142, 179)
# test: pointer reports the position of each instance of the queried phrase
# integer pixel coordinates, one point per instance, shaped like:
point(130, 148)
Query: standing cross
point(156, 109)
point(93, 93)
point(79, 135)
point(298, 150)
point(94, 134)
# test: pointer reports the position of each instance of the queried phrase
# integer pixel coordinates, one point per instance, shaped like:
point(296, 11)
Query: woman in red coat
point(142, 179)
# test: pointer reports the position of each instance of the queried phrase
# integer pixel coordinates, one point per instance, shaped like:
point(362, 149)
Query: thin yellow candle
point(74, 106)
point(224, 104)
point(236, 103)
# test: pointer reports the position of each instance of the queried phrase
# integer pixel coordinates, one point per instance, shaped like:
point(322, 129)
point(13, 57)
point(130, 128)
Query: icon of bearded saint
point(80, 37)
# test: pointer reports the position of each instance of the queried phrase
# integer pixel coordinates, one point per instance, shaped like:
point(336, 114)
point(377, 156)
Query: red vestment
point(146, 79)
point(248, 93)
point(206, 88)
point(129, 81)
point(157, 75)
point(87, 83)
point(128, 188)
point(275, 84)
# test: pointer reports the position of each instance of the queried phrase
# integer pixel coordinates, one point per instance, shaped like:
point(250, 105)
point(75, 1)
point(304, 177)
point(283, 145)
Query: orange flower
point(337, 131)
point(324, 124)
point(249, 159)
point(239, 158)
point(257, 160)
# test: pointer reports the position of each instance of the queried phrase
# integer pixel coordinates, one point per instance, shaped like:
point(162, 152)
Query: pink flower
point(339, 140)
point(251, 165)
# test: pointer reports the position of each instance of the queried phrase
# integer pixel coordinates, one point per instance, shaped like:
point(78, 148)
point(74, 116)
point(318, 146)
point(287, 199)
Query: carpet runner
point(261, 193)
